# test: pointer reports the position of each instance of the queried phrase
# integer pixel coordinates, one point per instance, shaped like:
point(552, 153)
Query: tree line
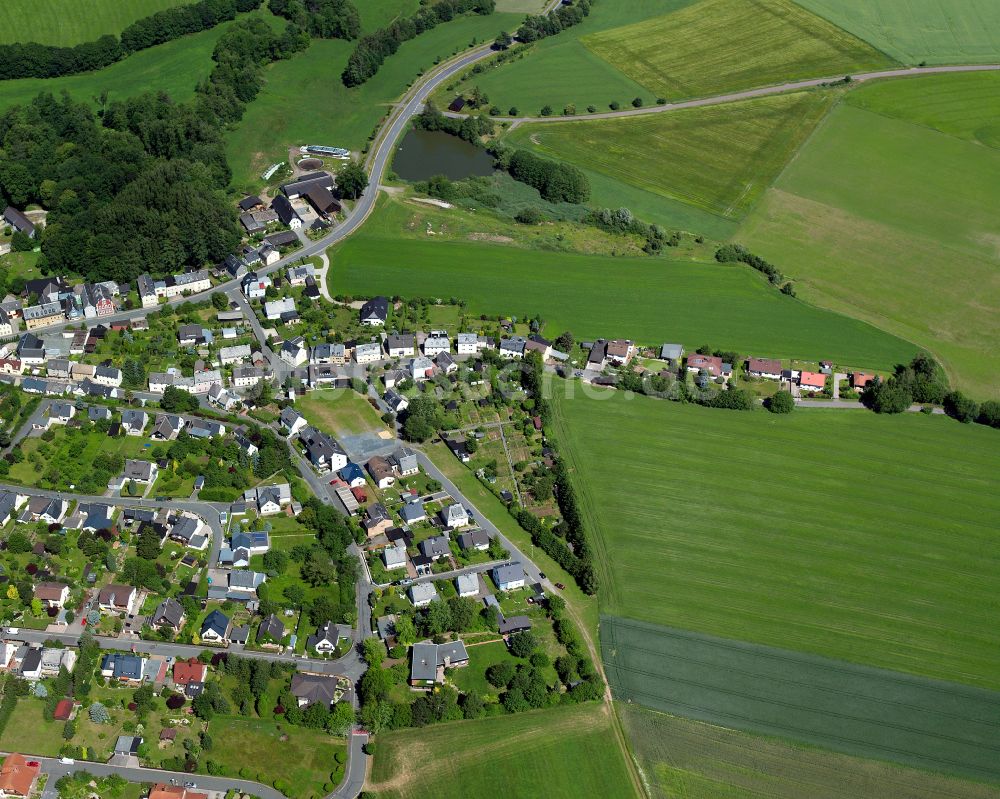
point(325, 19)
point(537, 27)
point(34, 60)
point(372, 50)
point(140, 187)
point(556, 182)
point(469, 128)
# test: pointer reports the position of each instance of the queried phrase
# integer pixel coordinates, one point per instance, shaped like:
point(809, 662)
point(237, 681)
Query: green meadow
point(835, 532)
point(561, 753)
point(895, 223)
point(911, 31)
point(719, 159)
point(715, 46)
point(680, 757)
point(68, 22)
point(561, 71)
point(648, 299)
point(175, 68)
point(305, 102)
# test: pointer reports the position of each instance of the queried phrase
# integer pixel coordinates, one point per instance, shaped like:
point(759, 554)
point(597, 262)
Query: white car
point(67, 761)
point(13, 630)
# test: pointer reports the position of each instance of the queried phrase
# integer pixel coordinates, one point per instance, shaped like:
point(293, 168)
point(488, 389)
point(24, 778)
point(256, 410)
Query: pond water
point(423, 154)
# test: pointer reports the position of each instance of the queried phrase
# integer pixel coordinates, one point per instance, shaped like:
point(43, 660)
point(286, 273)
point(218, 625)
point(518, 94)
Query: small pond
point(423, 154)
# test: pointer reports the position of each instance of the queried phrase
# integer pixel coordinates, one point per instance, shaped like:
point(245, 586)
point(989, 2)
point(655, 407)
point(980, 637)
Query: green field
point(966, 105)
point(692, 303)
point(841, 533)
point(935, 31)
point(340, 412)
point(562, 753)
point(687, 758)
point(69, 22)
point(715, 46)
point(718, 158)
point(859, 710)
point(175, 68)
point(560, 70)
point(305, 102)
point(896, 224)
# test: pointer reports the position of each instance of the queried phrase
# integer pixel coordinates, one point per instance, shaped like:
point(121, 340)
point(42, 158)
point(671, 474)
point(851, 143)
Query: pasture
point(911, 31)
point(717, 46)
point(68, 22)
point(680, 757)
point(693, 303)
point(835, 532)
point(561, 71)
point(561, 753)
point(175, 68)
point(304, 100)
point(895, 224)
point(719, 159)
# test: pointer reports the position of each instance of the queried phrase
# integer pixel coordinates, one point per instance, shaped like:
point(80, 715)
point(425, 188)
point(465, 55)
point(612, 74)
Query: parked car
point(560, 586)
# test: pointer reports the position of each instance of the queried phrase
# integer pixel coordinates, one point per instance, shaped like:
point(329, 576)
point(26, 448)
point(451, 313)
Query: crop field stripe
point(717, 46)
point(719, 684)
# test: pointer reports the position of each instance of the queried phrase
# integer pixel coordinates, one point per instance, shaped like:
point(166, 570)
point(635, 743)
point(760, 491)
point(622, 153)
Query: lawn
point(21, 264)
point(717, 46)
point(718, 158)
point(300, 757)
point(692, 303)
point(560, 70)
point(935, 31)
point(68, 22)
point(340, 412)
point(894, 223)
point(305, 102)
point(841, 533)
point(481, 657)
point(687, 758)
point(559, 753)
point(175, 68)
point(853, 709)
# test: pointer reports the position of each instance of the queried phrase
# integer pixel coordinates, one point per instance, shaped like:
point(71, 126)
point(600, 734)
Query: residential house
point(297, 274)
point(335, 354)
point(304, 183)
point(189, 671)
point(215, 627)
point(513, 624)
point(217, 395)
point(399, 345)
point(55, 659)
point(377, 519)
point(187, 283)
point(812, 381)
point(413, 511)
point(110, 376)
point(147, 291)
point(166, 427)
point(162, 791)
point(31, 665)
point(314, 689)
point(459, 448)
point(620, 351)
point(422, 594)
point(404, 461)
point(52, 595)
point(436, 343)
point(478, 540)
point(276, 310)
point(381, 471)
point(375, 312)
point(368, 353)
point(44, 509)
point(123, 667)
point(254, 287)
point(672, 353)
point(509, 577)
point(270, 632)
point(286, 212)
point(134, 422)
point(190, 335)
point(352, 474)
point(270, 499)
point(395, 557)
point(117, 598)
point(436, 547)
point(598, 355)
point(768, 368)
point(292, 421)
point(30, 350)
point(6, 327)
point(169, 613)
point(294, 351)
point(205, 428)
point(454, 516)
point(860, 380)
point(467, 584)
point(327, 636)
point(397, 402)
point(245, 444)
point(49, 313)
point(17, 220)
point(140, 471)
point(710, 364)
point(18, 774)
point(429, 661)
point(98, 413)
point(247, 376)
point(61, 413)
point(467, 344)
point(58, 368)
point(10, 501)
point(536, 343)
point(234, 354)
point(446, 363)
point(512, 348)
point(323, 451)
point(421, 368)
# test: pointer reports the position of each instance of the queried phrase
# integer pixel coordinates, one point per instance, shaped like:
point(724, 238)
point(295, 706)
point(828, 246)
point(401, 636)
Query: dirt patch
point(491, 237)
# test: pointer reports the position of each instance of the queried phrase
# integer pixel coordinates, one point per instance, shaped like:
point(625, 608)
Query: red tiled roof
point(186, 671)
point(16, 776)
point(64, 709)
point(812, 380)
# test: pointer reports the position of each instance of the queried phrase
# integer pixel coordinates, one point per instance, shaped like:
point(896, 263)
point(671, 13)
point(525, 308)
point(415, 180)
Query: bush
point(529, 216)
point(960, 407)
point(637, 102)
point(782, 402)
point(546, 111)
point(614, 105)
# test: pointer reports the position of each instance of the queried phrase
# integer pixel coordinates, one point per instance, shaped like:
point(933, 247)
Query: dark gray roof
point(271, 628)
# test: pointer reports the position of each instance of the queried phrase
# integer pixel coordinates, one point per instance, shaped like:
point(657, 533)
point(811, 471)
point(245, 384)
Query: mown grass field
point(561, 753)
point(305, 102)
point(715, 46)
point(855, 709)
point(966, 105)
point(560, 70)
point(718, 158)
point(895, 223)
point(175, 68)
point(680, 757)
point(648, 299)
point(68, 22)
point(864, 538)
point(340, 412)
point(935, 31)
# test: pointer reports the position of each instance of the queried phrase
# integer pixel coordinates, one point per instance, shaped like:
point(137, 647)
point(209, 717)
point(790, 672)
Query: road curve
point(747, 94)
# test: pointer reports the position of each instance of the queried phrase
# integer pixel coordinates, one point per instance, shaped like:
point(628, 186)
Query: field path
point(763, 91)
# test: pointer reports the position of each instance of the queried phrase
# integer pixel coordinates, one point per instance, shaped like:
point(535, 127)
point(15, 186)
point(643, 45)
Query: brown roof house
point(117, 598)
point(52, 595)
point(381, 471)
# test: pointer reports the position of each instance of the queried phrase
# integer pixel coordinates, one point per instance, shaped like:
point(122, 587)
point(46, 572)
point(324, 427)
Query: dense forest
point(33, 60)
point(141, 186)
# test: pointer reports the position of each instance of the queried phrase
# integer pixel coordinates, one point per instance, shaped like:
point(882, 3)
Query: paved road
point(476, 568)
point(747, 94)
